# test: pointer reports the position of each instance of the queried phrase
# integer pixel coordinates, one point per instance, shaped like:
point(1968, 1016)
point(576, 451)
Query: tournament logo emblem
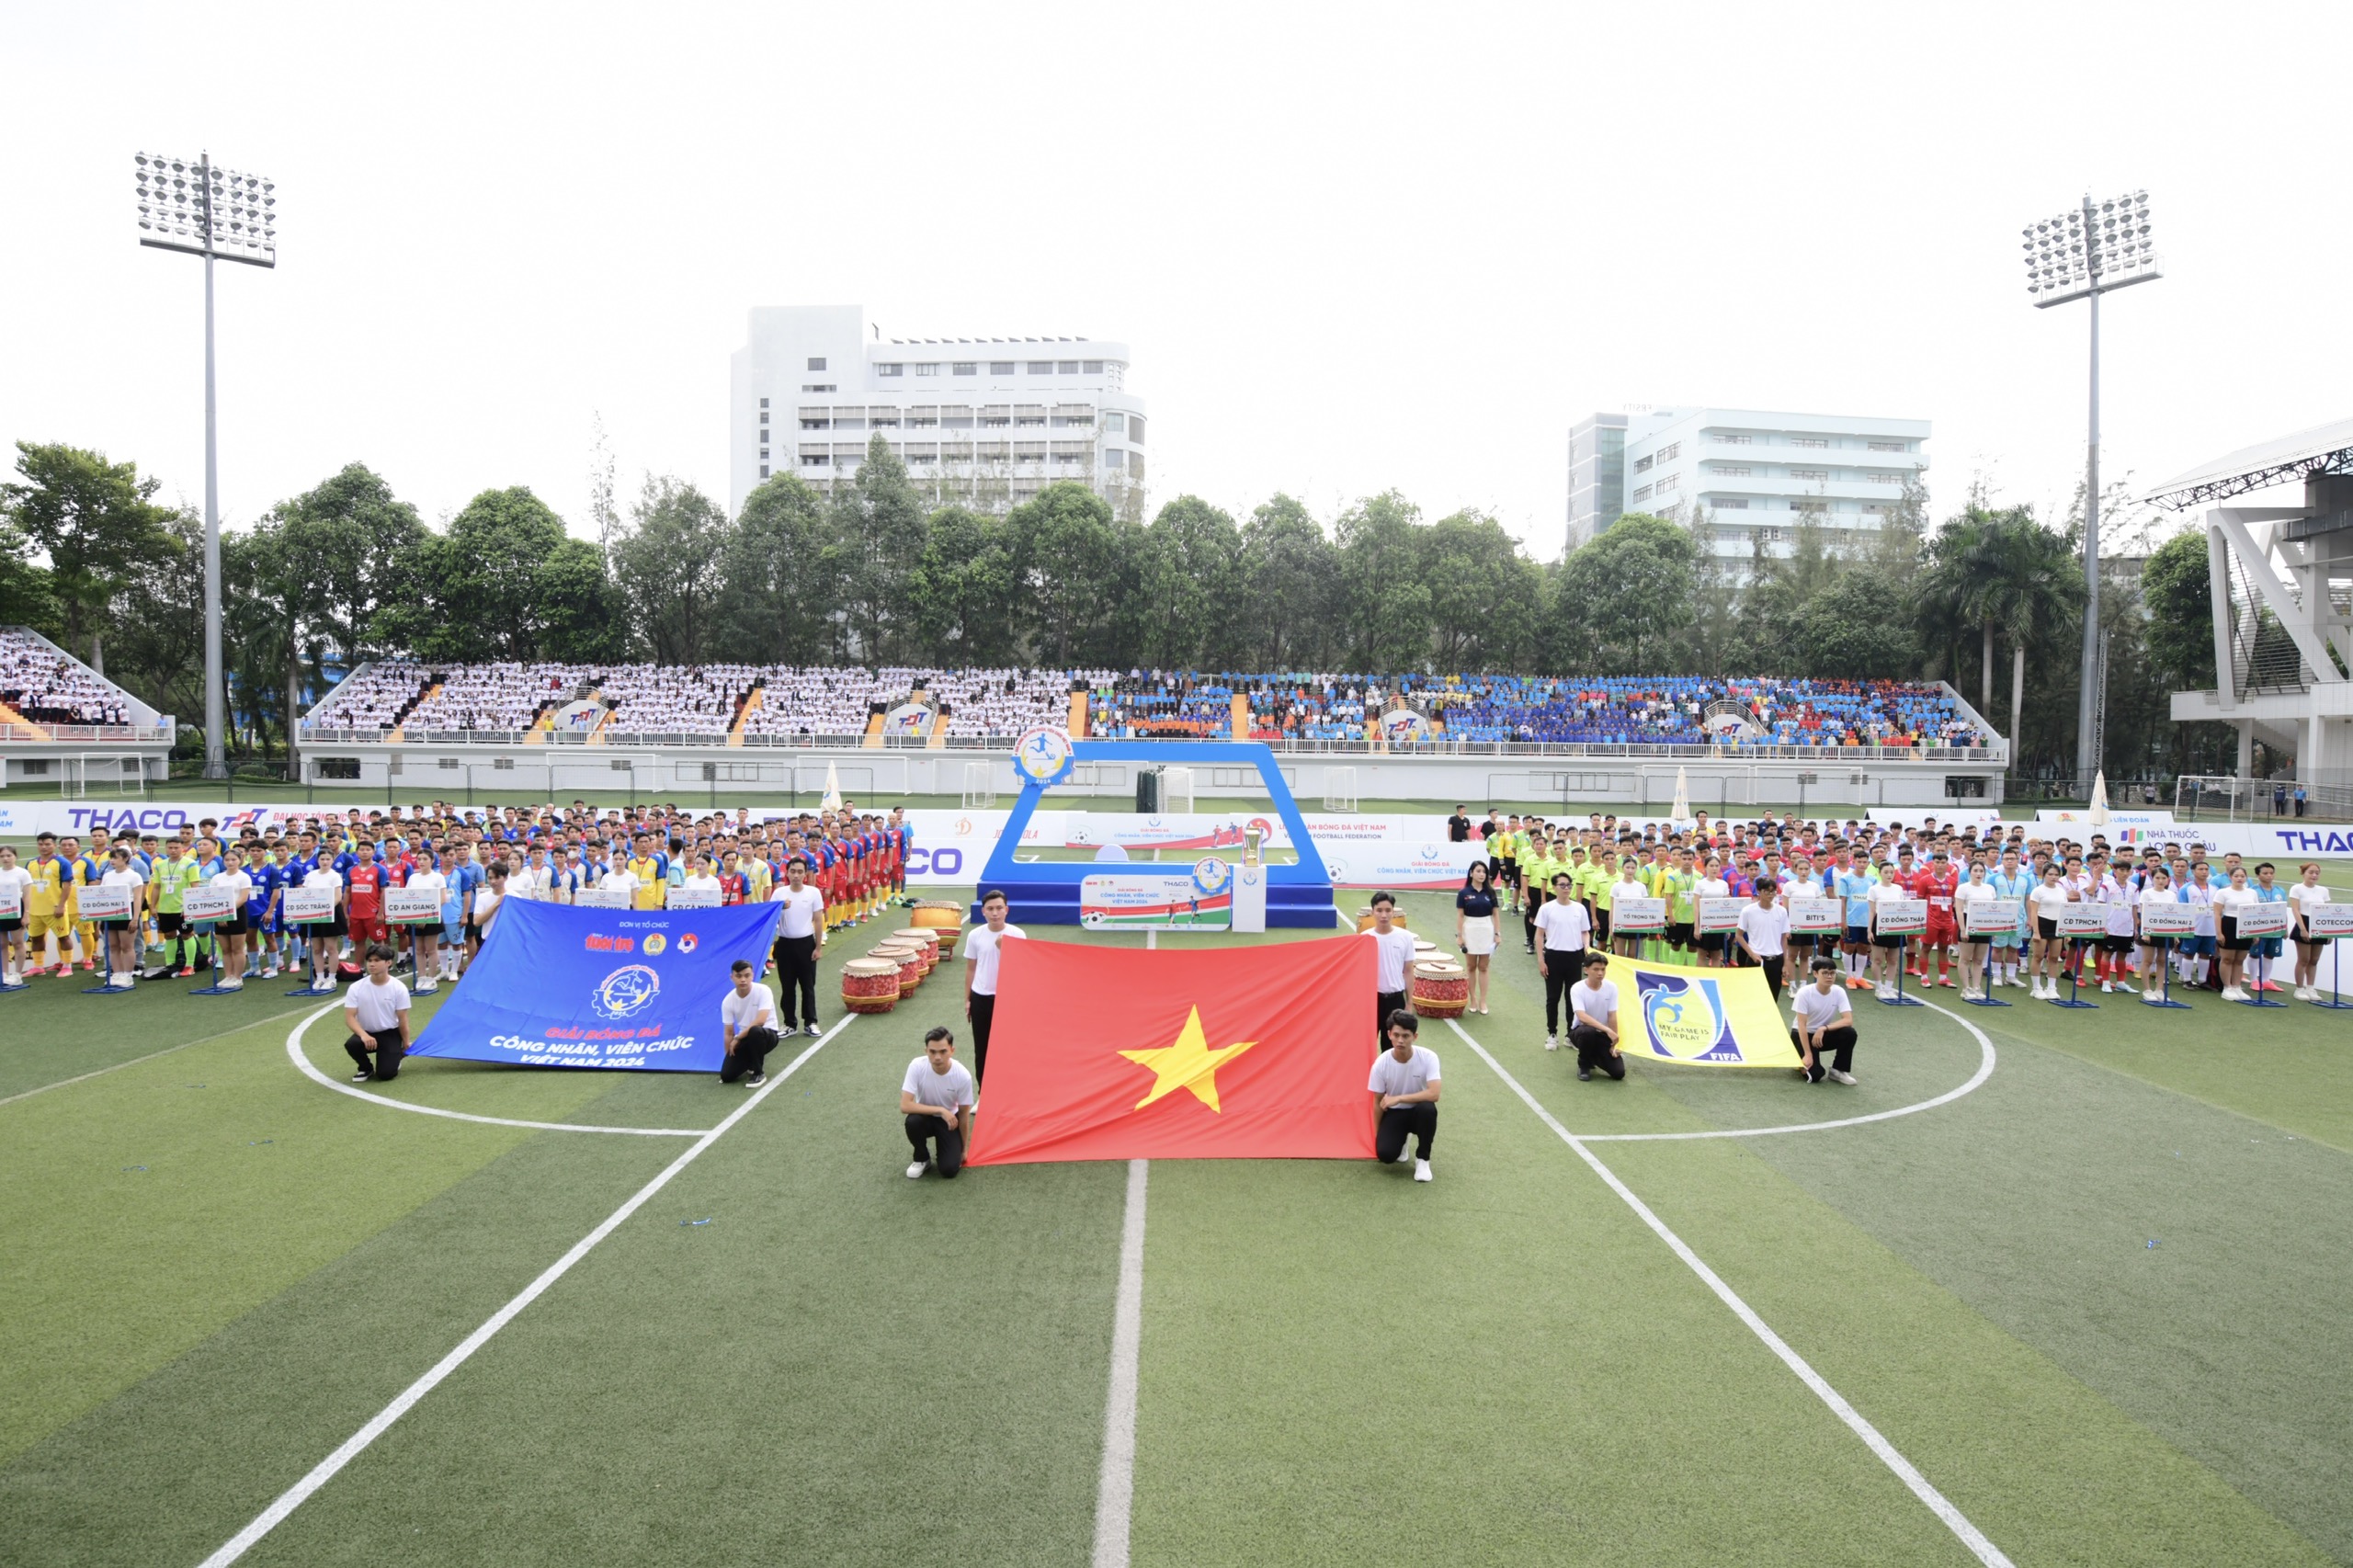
point(1210, 875)
point(626, 992)
point(1684, 1019)
point(686, 943)
point(655, 944)
point(1044, 756)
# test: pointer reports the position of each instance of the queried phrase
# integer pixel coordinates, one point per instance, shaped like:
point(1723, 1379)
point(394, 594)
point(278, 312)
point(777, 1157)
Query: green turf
point(1338, 1364)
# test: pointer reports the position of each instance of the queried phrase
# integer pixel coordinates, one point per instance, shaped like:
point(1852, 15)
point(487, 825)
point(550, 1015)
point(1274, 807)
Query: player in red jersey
point(1935, 882)
point(364, 885)
point(732, 883)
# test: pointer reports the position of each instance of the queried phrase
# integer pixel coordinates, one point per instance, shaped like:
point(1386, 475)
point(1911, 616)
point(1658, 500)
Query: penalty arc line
point(1115, 1490)
point(294, 1496)
point(1969, 1535)
point(309, 1070)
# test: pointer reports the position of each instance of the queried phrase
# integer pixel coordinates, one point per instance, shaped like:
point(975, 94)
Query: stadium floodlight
point(194, 207)
point(2082, 253)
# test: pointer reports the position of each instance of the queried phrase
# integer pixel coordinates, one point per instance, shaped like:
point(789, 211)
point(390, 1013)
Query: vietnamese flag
point(1122, 1053)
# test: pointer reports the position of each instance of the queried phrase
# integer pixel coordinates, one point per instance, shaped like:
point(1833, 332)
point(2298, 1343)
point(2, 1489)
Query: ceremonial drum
point(1441, 990)
point(922, 938)
point(1365, 921)
point(869, 986)
point(1424, 951)
point(909, 959)
point(944, 918)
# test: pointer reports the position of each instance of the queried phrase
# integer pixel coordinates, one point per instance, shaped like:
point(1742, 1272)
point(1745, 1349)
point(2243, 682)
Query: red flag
point(1119, 1054)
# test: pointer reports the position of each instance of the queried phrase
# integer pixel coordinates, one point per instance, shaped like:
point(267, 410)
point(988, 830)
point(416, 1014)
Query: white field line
point(1115, 1492)
point(295, 1053)
point(325, 1471)
point(1969, 1535)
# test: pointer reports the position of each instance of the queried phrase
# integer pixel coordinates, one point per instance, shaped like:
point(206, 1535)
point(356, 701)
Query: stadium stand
point(44, 686)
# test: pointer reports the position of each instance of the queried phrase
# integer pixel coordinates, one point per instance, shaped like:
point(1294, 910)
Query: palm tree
point(2003, 572)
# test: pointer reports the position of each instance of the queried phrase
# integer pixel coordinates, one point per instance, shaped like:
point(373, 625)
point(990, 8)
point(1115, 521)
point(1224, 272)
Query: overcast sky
point(1352, 247)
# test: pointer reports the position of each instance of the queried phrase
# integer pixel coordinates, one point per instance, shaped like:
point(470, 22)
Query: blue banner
point(556, 986)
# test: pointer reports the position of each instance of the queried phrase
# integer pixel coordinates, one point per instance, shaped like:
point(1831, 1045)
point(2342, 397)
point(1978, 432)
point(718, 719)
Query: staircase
point(1078, 713)
point(742, 721)
point(9, 716)
point(873, 737)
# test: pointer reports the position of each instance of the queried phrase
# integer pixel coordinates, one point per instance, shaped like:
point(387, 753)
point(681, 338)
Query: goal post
point(114, 773)
point(1339, 789)
point(980, 785)
point(1177, 792)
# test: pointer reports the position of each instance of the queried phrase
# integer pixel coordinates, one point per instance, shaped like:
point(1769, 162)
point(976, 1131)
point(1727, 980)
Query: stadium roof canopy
point(2323, 448)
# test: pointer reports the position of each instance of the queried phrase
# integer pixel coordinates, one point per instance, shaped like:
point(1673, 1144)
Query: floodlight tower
point(219, 214)
point(2081, 254)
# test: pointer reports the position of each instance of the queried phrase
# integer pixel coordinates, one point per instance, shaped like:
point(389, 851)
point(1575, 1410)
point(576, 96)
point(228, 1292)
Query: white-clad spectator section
point(50, 688)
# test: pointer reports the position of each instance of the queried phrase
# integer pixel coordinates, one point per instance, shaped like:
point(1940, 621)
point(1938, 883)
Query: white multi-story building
point(988, 421)
point(1757, 475)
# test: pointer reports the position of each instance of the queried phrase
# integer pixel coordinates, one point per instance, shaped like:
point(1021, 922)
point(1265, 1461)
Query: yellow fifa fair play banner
point(1706, 1018)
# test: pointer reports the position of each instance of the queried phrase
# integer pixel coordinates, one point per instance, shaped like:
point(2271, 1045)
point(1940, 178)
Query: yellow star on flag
point(1188, 1064)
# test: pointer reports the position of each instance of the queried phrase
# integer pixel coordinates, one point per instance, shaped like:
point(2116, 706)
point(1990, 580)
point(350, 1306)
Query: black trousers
point(1562, 970)
point(385, 1043)
point(1772, 967)
point(1527, 919)
point(1388, 1003)
point(984, 1014)
point(796, 979)
point(1419, 1121)
point(750, 1055)
point(1593, 1052)
point(928, 1132)
point(1838, 1043)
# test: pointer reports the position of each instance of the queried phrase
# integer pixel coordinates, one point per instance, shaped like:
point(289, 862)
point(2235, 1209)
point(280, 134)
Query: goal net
point(1177, 792)
point(1339, 789)
point(980, 785)
point(102, 774)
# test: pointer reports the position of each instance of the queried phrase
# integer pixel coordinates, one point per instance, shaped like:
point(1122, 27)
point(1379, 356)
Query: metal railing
point(34, 733)
point(2222, 797)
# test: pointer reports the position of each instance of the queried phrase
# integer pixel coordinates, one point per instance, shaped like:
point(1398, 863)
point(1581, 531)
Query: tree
point(94, 520)
point(1384, 602)
point(666, 567)
point(1190, 556)
point(779, 577)
point(1484, 594)
point(1070, 567)
point(1634, 583)
point(878, 521)
point(1858, 631)
point(580, 614)
point(1289, 588)
point(2178, 587)
point(25, 596)
point(2001, 572)
point(964, 590)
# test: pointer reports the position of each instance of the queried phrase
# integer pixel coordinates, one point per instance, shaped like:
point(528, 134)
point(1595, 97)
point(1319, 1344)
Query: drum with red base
point(908, 957)
point(1441, 990)
point(869, 986)
point(924, 938)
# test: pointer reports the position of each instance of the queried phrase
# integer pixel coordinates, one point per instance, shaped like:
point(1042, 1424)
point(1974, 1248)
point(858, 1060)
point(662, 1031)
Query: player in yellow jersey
point(46, 912)
point(653, 879)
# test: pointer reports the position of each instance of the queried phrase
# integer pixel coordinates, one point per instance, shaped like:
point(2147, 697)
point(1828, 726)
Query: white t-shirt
point(804, 909)
point(1767, 930)
point(1390, 1076)
point(1710, 887)
point(530, 881)
point(433, 882)
point(701, 883)
point(2306, 899)
point(1594, 1002)
point(19, 879)
point(951, 1090)
point(379, 1006)
point(981, 952)
point(748, 1011)
point(2049, 898)
point(1816, 1011)
point(1391, 953)
point(486, 900)
point(1882, 891)
point(618, 876)
point(239, 885)
point(1566, 927)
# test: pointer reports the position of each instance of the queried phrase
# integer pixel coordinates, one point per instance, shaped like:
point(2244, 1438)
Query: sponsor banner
point(1716, 1017)
point(908, 721)
point(2175, 919)
point(2262, 919)
point(1955, 818)
point(2080, 821)
point(24, 822)
point(1721, 914)
point(1636, 914)
point(1431, 864)
point(1817, 916)
point(577, 717)
point(1902, 917)
point(1173, 901)
point(403, 907)
point(559, 985)
point(2330, 920)
point(306, 905)
point(208, 903)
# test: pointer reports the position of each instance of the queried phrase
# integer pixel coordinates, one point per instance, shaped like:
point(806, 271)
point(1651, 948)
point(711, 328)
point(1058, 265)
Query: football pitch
point(2043, 1287)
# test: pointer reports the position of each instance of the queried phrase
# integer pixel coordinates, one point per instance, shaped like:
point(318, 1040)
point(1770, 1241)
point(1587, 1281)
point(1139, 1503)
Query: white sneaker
point(120, 981)
point(2108, 987)
point(322, 983)
point(916, 1169)
point(1552, 1042)
point(1422, 1171)
point(2233, 993)
point(270, 973)
point(426, 987)
point(1838, 1077)
point(1404, 1154)
point(233, 985)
